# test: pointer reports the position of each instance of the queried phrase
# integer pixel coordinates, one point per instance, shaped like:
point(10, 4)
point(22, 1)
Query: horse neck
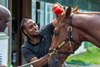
point(88, 26)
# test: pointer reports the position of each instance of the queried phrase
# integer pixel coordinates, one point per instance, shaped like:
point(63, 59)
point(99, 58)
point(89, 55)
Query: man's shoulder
point(47, 28)
point(25, 44)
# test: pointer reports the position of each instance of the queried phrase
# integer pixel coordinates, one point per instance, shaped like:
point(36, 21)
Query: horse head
point(73, 28)
point(65, 39)
point(64, 33)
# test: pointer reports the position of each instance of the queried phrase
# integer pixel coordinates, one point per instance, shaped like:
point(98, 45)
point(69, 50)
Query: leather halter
point(68, 39)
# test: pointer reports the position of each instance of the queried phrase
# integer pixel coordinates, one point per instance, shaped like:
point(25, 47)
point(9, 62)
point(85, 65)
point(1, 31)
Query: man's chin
point(34, 36)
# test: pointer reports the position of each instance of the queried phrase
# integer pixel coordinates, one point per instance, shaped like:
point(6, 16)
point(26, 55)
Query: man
point(5, 17)
point(38, 41)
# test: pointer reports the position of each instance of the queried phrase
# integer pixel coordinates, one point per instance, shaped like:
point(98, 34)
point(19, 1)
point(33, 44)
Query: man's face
point(5, 17)
point(4, 23)
point(31, 28)
point(5, 20)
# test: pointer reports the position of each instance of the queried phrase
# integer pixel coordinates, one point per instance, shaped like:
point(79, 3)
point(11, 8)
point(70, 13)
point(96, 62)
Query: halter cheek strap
point(69, 37)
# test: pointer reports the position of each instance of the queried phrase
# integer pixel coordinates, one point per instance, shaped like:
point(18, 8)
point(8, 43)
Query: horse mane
point(76, 11)
point(87, 13)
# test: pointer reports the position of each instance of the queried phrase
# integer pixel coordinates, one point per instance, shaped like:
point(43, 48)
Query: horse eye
point(56, 32)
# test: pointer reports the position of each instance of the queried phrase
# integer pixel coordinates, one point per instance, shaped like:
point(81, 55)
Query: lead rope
point(70, 44)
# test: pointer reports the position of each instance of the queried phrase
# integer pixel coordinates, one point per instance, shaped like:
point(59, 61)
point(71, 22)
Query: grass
point(91, 56)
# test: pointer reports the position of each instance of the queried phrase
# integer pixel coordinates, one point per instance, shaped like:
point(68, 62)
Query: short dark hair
point(22, 27)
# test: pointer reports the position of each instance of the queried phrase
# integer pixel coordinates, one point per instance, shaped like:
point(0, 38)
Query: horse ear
point(76, 10)
point(68, 11)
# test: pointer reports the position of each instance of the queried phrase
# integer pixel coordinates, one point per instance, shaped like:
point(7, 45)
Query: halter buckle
point(69, 29)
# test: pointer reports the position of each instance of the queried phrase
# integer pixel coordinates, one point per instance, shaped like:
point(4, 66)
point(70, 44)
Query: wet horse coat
point(84, 27)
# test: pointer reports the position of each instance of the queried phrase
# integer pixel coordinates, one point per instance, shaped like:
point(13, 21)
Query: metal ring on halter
point(69, 28)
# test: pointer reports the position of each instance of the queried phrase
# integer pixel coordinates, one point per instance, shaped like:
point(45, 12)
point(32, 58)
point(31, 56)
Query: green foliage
point(91, 56)
point(9, 65)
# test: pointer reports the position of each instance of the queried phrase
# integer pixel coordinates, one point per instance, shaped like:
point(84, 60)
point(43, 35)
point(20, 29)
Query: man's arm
point(55, 22)
point(39, 62)
point(32, 59)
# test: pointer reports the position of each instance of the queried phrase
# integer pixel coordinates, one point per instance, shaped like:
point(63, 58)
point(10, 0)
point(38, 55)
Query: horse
point(72, 29)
